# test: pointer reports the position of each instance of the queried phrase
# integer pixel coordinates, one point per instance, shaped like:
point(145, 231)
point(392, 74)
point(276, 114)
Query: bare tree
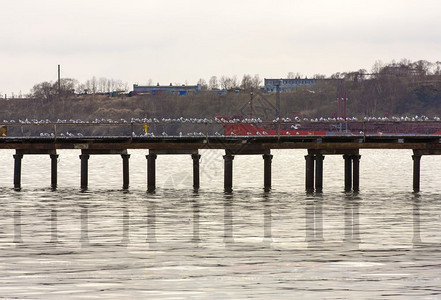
point(47, 91)
point(234, 82)
point(256, 81)
point(292, 75)
point(43, 91)
point(247, 82)
point(225, 82)
point(203, 84)
point(102, 83)
point(229, 83)
point(93, 85)
point(213, 83)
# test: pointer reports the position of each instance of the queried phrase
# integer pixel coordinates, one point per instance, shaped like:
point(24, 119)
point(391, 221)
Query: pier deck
point(414, 142)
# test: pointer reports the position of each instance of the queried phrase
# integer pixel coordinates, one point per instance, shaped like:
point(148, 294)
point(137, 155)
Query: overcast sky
point(181, 41)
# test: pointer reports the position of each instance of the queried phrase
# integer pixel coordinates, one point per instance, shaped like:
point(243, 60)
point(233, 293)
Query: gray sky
point(182, 41)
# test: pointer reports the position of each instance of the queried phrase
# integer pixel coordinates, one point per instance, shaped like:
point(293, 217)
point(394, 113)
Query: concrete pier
point(151, 172)
point(356, 172)
point(18, 157)
point(309, 180)
point(416, 172)
point(84, 170)
point(319, 172)
point(267, 158)
point(151, 165)
point(228, 172)
point(348, 172)
point(17, 171)
point(125, 158)
point(317, 146)
point(85, 155)
point(54, 162)
point(196, 181)
point(352, 172)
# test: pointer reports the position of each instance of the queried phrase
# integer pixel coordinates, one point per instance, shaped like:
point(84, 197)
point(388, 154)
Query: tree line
point(49, 90)
point(394, 88)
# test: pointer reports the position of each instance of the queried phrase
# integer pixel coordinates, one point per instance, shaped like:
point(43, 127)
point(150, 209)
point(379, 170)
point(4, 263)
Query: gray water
point(180, 244)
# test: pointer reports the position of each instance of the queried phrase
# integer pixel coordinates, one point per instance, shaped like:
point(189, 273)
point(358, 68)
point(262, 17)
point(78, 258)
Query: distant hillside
point(405, 88)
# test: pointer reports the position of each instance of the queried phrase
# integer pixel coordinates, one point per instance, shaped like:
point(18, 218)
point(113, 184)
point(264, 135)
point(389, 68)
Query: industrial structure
point(286, 84)
point(160, 89)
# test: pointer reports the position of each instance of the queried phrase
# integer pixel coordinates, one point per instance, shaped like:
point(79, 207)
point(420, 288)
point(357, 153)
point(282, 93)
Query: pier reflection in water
point(211, 244)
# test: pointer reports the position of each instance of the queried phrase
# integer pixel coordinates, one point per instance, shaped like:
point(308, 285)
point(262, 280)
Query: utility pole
point(278, 100)
point(251, 104)
point(59, 79)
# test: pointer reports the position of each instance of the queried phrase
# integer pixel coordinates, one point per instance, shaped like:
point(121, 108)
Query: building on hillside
point(160, 89)
point(286, 84)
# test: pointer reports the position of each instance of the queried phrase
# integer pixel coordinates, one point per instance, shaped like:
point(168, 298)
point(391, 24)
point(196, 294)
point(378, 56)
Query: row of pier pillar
point(313, 180)
point(314, 166)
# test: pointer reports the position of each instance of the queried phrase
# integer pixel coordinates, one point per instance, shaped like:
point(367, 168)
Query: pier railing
point(213, 128)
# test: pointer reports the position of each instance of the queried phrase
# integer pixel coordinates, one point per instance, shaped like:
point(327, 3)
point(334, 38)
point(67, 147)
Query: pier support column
point(348, 172)
point(309, 182)
point(319, 173)
point(125, 158)
point(267, 158)
point(228, 172)
point(196, 180)
point(84, 170)
point(54, 179)
point(17, 171)
point(151, 172)
point(416, 172)
point(356, 172)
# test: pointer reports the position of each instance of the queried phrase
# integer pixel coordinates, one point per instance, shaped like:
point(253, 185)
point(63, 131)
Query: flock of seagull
point(220, 120)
